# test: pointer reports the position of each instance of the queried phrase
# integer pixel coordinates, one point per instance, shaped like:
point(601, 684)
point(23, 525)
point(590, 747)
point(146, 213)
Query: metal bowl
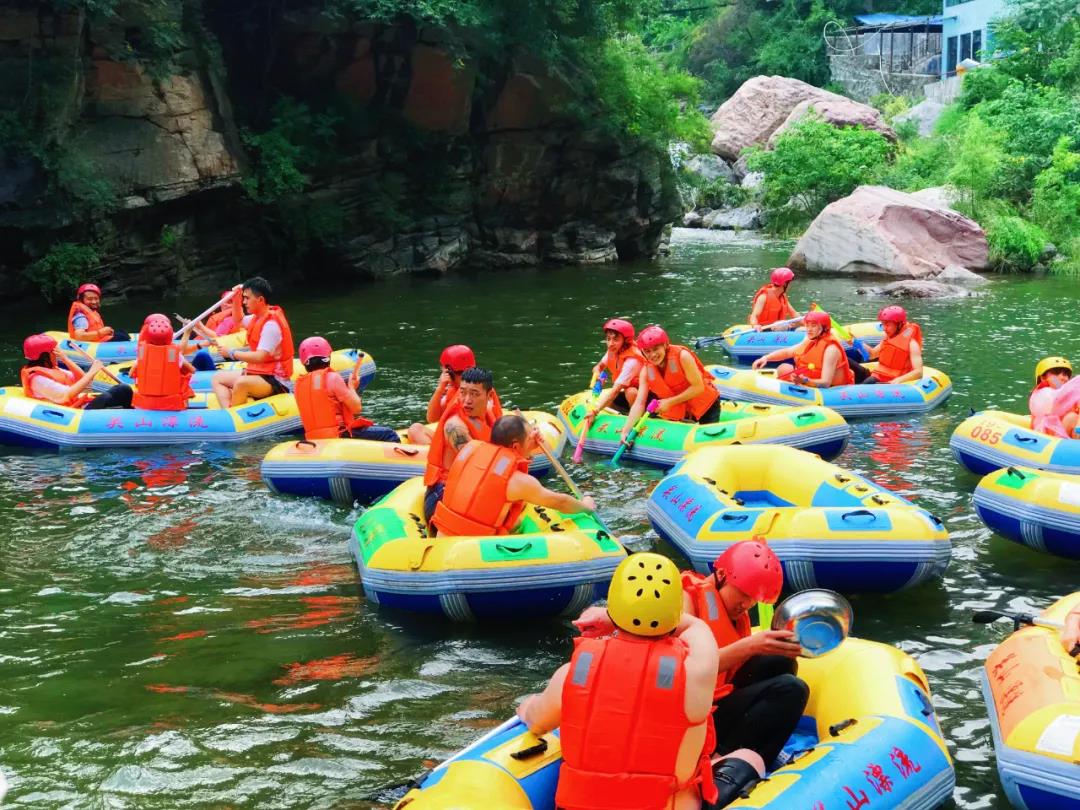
point(820, 620)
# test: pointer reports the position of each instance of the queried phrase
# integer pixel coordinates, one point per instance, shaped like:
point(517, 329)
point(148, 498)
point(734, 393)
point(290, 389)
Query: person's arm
point(693, 377)
point(82, 333)
point(775, 356)
point(638, 406)
point(829, 361)
point(764, 642)
point(238, 304)
point(523, 487)
point(269, 340)
point(915, 350)
point(59, 393)
point(755, 313)
point(435, 404)
point(702, 666)
point(875, 351)
point(344, 393)
point(543, 712)
point(630, 370)
point(456, 433)
point(1070, 634)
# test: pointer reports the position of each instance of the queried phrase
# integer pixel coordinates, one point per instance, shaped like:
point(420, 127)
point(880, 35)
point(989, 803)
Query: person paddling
point(41, 378)
point(633, 707)
point(329, 407)
point(820, 361)
point(623, 362)
point(84, 318)
point(771, 306)
point(488, 486)
point(899, 355)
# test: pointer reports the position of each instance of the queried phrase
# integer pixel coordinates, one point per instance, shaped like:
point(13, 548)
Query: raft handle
point(505, 549)
point(758, 407)
point(843, 479)
point(1028, 439)
point(858, 513)
point(530, 752)
point(836, 728)
point(257, 411)
point(798, 389)
point(406, 451)
point(734, 518)
point(805, 415)
point(51, 412)
point(1016, 472)
point(711, 481)
point(307, 441)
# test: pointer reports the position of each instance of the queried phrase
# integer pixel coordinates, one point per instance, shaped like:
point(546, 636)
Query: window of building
point(976, 44)
point(950, 57)
point(965, 47)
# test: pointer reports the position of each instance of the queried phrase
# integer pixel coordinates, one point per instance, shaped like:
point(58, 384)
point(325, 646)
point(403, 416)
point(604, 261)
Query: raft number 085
point(986, 432)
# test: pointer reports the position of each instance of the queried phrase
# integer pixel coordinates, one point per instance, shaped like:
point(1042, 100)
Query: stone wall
point(862, 82)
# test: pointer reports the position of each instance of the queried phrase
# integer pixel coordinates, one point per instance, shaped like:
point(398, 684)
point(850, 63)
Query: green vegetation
point(60, 270)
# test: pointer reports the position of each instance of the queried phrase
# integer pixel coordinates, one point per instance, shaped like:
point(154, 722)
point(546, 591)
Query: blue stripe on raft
point(1040, 528)
point(982, 459)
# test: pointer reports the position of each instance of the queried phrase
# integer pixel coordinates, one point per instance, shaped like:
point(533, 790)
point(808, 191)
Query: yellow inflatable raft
point(1036, 508)
point(124, 351)
point(990, 440)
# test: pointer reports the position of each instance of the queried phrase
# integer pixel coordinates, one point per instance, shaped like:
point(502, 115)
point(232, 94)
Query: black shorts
point(276, 386)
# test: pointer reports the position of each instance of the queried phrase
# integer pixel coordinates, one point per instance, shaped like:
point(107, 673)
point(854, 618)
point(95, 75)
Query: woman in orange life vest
point(820, 361)
point(675, 376)
point(1055, 400)
point(42, 379)
point(771, 303)
point(623, 362)
point(468, 415)
point(84, 318)
point(269, 358)
point(330, 407)
point(161, 373)
point(899, 355)
point(453, 360)
point(488, 485)
point(633, 707)
point(758, 697)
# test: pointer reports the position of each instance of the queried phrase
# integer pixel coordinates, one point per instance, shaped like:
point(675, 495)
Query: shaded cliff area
point(159, 145)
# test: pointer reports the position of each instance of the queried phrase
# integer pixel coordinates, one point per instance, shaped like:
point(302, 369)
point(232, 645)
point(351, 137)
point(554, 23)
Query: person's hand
point(662, 405)
point(445, 379)
point(589, 502)
point(106, 331)
point(773, 642)
point(96, 367)
point(1070, 638)
point(523, 708)
point(594, 622)
point(237, 287)
point(759, 363)
point(536, 434)
point(758, 327)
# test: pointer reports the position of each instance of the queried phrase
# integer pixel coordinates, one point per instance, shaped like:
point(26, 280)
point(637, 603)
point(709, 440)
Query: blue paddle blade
point(861, 348)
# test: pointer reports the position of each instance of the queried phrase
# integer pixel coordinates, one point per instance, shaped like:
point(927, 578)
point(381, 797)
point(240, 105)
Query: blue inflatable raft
point(745, 345)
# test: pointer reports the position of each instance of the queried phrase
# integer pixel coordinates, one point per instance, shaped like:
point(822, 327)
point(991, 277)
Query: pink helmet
point(781, 275)
point(157, 330)
point(624, 328)
point(37, 345)
point(314, 347)
point(753, 568)
point(85, 288)
point(894, 314)
point(457, 357)
point(819, 317)
point(652, 336)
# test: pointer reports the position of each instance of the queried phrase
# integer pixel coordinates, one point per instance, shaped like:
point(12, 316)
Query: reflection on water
point(171, 630)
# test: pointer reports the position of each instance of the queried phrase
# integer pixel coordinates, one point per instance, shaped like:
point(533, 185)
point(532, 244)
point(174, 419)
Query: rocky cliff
point(158, 141)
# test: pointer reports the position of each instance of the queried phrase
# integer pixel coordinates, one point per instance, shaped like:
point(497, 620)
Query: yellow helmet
point(645, 595)
point(1048, 363)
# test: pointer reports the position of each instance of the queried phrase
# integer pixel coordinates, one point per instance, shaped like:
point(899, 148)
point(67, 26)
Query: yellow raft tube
point(121, 351)
point(869, 728)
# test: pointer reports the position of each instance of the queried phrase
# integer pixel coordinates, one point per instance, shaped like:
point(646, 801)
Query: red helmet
point(457, 357)
point(314, 347)
point(157, 330)
point(781, 275)
point(819, 317)
point(36, 345)
point(652, 336)
point(753, 568)
point(624, 328)
point(892, 314)
point(85, 288)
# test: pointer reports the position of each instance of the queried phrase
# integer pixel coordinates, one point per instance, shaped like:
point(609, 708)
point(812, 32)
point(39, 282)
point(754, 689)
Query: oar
point(354, 377)
point(702, 342)
point(82, 352)
point(991, 616)
point(190, 324)
point(631, 437)
point(596, 385)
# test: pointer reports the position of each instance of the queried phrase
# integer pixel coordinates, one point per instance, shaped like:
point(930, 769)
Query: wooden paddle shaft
point(82, 351)
point(190, 324)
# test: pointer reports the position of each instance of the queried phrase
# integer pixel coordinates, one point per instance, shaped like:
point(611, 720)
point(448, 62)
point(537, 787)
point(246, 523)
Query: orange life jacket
point(93, 320)
point(615, 364)
point(323, 416)
point(670, 380)
point(775, 307)
point(623, 722)
point(162, 384)
point(810, 359)
point(895, 358)
point(709, 608)
point(62, 376)
point(281, 364)
point(475, 502)
point(437, 467)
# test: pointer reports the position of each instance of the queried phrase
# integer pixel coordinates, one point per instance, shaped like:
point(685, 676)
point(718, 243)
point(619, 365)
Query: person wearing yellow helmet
point(1055, 400)
point(633, 707)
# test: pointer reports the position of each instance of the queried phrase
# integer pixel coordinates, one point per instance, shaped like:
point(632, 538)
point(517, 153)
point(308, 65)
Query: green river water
point(173, 635)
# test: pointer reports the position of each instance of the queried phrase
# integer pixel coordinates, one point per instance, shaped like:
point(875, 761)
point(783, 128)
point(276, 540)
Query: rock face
point(710, 168)
point(880, 231)
point(925, 114)
point(743, 218)
point(766, 104)
point(919, 289)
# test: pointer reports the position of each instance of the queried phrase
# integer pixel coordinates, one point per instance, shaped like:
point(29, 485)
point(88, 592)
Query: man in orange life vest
point(758, 697)
point(162, 375)
point(899, 355)
point(329, 407)
point(488, 484)
point(771, 304)
point(820, 360)
point(623, 362)
point(269, 356)
point(467, 416)
point(42, 379)
point(453, 360)
point(84, 318)
point(632, 708)
point(676, 377)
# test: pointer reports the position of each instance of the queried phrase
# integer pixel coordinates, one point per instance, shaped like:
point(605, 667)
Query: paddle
point(596, 385)
point(354, 376)
point(631, 437)
point(187, 327)
point(1018, 619)
point(714, 339)
point(83, 352)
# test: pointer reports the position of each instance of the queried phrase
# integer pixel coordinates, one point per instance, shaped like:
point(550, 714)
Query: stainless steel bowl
point(820, 620)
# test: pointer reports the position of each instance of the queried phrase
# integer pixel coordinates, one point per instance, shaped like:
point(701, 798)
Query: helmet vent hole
point(654, 623)
point(637, 622)
point(640, 591)
point(656, 594)
point(649, 577)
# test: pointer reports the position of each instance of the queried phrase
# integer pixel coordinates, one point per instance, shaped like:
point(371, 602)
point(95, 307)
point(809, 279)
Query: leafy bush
point(297, 141)
point(76, 174)
point(718, 193)
point(977, 163)
point(1056, 201)
point(61, 269)
point(1015, 244)
point(889, 105)
point(1042, 41)
point(920, 163)
point(985, 84)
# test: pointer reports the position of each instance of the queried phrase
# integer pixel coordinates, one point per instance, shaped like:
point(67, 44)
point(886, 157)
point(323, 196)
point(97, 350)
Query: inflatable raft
point(350, 470)
point(847, 400)
point(829, 527)
point(555, 565)
point(1032, 691)
point(990, 440)
point(744, 345)
point(664, 442)
point(1039, 509)
point(26, 422)
point(125, 351)
point(342, 361)
point(869, 735)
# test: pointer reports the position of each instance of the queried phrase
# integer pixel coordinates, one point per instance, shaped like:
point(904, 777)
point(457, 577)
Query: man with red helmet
point(899, 355)
point(453, 361)
point(84, 318)
point(330, 407)
point(771, 304)
point(161, 373)
point(820, 360)
point(43, 379)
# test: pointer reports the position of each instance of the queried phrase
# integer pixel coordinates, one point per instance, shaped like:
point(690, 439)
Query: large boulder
point(925, 115)
point(881, 231)
point(921, 288)
point(838, 111)
point(743, 218)
point(710, 168)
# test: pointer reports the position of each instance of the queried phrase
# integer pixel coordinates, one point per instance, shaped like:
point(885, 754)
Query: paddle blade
point(579, 449)
point(988, 616)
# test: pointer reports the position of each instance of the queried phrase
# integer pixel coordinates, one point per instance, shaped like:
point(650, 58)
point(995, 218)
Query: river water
point(174, 635)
